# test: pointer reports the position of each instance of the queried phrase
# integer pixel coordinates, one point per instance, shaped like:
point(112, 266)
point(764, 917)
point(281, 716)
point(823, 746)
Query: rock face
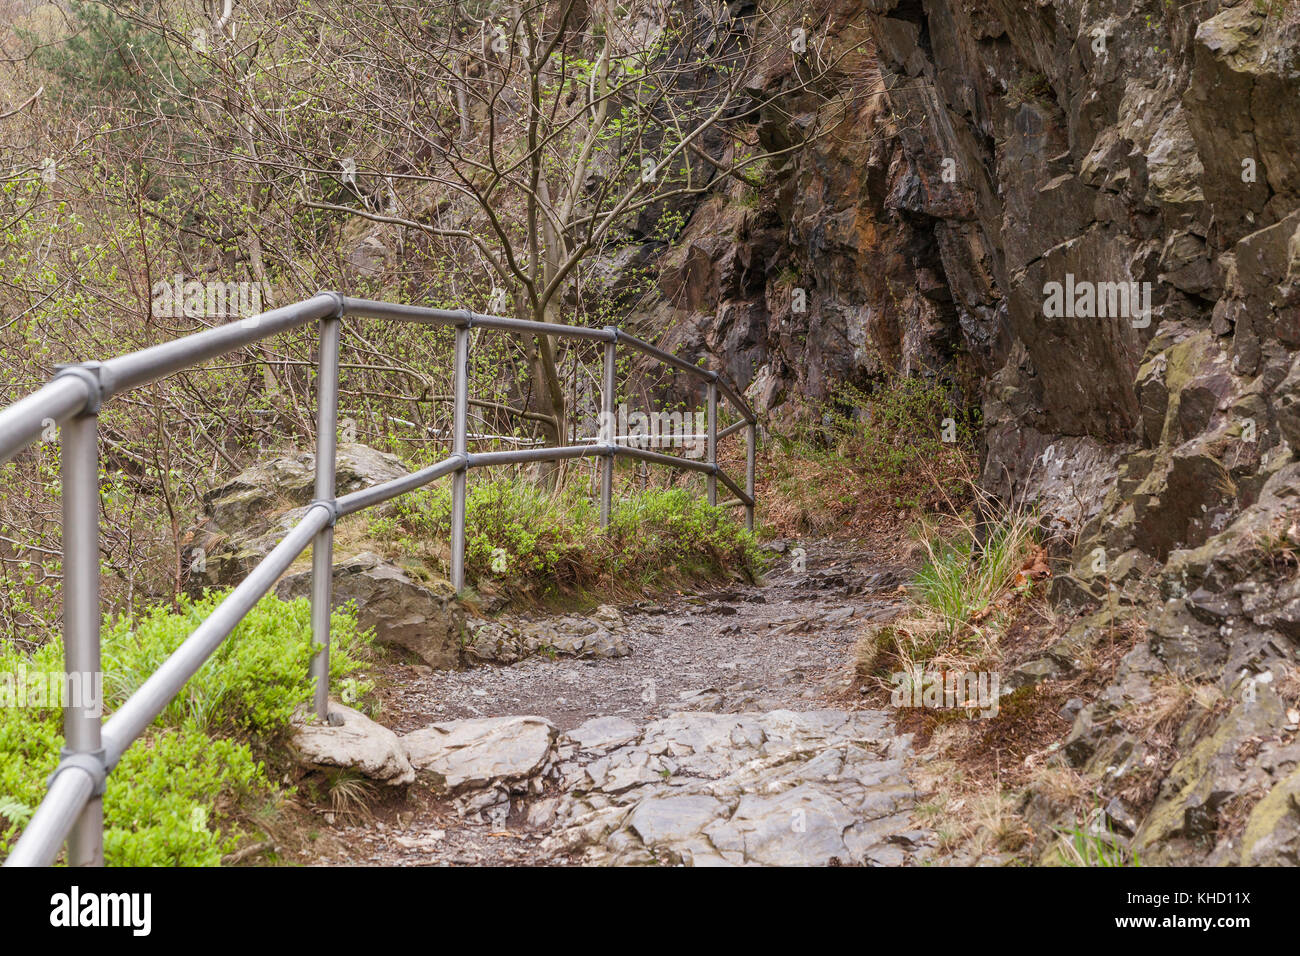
point(1140, 163)
point(1096, 151)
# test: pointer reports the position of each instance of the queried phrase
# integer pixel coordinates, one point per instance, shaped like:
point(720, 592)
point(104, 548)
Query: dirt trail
point(781, 646)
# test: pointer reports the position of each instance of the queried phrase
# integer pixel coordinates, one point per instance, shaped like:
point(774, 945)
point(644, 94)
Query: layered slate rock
point(772, 789)
point(780, 788)
point(249, 515)
point(1160, 149)
point(482, 753)
point(243, 506)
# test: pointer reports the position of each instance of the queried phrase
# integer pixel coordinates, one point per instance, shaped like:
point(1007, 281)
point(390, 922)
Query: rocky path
point(713, 728)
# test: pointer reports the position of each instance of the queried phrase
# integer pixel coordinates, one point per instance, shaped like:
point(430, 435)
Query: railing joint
point(340, 304)
point(92, 373)
point(94, 763)
point(329, 504)
point(113, 750)
point(467, 318)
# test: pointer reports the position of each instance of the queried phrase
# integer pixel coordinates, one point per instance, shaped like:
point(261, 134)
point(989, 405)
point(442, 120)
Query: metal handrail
point(72, 809)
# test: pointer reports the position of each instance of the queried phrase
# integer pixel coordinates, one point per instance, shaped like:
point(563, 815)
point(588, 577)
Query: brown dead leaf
point(1034, 568)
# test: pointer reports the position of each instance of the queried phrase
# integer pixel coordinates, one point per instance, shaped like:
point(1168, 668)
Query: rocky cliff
point(1087, 215)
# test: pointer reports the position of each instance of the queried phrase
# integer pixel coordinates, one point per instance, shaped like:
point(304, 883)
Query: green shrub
point(112, 57)
point(253, 681)
point(173, 797)
point(163, 800)
point(670, 534)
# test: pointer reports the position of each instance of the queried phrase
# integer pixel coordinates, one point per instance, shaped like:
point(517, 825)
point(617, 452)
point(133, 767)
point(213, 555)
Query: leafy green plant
point(253, 681)
point(665, 535)
point(175, 796)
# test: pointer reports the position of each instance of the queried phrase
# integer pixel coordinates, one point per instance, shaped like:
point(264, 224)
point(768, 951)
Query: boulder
point(351, 741)
point(248, 515)
point(268, 488)
point(481, 753)
point(425, 620)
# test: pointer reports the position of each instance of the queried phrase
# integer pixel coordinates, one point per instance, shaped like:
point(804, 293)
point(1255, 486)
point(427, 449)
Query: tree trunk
point(548, 393)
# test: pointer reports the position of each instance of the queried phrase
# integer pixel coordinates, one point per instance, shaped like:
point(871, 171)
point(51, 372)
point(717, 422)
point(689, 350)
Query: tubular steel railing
point(72, 809)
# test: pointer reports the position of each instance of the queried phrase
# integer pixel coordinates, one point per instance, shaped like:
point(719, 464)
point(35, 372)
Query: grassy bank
point(866, 456)
point(960, 603)
point(978, 605)
point(549, 545)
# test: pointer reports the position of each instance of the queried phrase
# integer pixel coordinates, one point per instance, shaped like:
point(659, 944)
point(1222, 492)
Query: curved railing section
point(72, 809)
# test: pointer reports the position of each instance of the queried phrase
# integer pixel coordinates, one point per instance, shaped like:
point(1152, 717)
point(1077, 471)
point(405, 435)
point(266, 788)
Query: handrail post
point(609, 432)
point(712, 449)
point(322, 552)
point(83, 673)
point(751, 448)
point(460, 426)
